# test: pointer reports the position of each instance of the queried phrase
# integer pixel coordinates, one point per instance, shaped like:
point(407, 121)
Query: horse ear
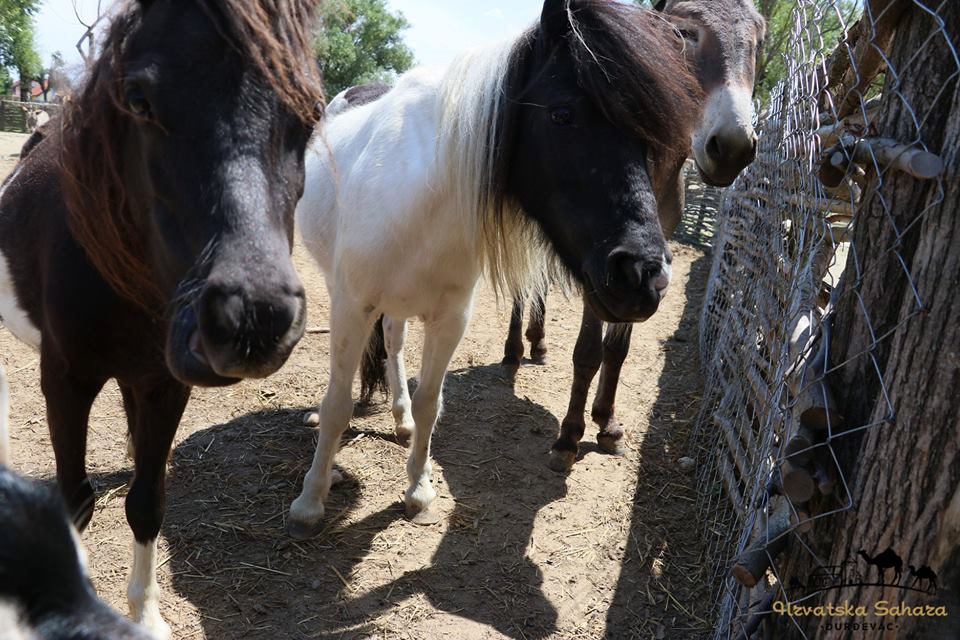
point(660, 6)
point(554, 19)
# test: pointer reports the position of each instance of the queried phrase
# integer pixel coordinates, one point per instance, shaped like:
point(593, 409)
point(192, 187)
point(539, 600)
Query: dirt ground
point(610, 550)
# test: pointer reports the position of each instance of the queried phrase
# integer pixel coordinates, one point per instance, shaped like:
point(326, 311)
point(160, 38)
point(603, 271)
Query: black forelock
point(628, 61)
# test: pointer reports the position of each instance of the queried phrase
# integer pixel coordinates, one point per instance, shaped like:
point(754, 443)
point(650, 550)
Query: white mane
point(513, 250)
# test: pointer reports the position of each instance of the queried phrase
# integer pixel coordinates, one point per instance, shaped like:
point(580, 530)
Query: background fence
point(835, 267)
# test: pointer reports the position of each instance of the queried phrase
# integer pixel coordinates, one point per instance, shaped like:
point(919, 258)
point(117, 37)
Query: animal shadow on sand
point(230, 490)
point(663, 560)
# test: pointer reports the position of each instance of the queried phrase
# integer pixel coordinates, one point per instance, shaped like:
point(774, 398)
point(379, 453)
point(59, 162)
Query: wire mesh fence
point(698, 225)
point(811, 244)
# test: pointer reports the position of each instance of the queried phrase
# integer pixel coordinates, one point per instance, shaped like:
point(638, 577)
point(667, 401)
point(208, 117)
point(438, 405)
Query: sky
point(438, 28)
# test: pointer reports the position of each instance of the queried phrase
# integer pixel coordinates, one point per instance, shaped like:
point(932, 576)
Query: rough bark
point(904, 473)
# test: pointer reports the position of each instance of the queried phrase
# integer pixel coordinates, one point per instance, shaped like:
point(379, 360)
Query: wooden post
point(770, 540)
point(762, 611)
point(814, 405)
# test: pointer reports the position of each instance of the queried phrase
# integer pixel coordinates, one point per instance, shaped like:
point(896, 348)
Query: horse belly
point(12, 315)
point(416, 276)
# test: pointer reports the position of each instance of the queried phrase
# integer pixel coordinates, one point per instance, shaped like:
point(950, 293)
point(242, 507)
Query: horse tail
point(4, 419)
point(373, 369)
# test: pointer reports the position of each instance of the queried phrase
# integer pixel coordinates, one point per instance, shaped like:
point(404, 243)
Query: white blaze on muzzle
point(662, 281)
point(728, 112)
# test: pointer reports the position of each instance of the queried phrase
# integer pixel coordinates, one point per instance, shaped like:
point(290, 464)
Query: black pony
point(147, 235)
point(720, 38)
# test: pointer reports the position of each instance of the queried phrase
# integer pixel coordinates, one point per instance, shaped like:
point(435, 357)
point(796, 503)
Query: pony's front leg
point(394, 335)
point(69, 399)
point(587, 356)
point(153, 410)
point(349, 330)
point(442, 335)
point(616, 345)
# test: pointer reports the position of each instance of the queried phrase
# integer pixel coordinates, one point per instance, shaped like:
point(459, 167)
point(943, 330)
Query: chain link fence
point(809, 229)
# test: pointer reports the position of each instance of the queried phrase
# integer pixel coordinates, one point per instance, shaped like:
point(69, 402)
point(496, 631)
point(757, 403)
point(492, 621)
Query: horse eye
point(562, 116)
point(691, 35)
point(137, 102)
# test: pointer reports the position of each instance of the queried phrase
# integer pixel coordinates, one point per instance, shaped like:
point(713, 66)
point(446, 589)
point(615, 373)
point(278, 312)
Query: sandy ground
point(610, 550)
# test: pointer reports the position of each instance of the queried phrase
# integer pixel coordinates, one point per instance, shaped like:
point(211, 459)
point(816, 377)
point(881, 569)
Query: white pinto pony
point(509, 158)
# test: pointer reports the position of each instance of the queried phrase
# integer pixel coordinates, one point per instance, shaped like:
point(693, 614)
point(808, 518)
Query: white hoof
point(335, 477)
point(404, 431)
point(305, 519)
point(149, 617)
point(418, 498)
point(311, 419)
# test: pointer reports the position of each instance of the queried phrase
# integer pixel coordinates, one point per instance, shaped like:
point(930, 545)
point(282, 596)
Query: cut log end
point(745, 575)
point(820, 418)
point(796, 483)
point(926, 165)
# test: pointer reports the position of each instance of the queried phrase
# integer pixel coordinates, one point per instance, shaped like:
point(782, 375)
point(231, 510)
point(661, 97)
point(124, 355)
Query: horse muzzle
point(227, 334)
point(628, 286)
point(725, 143)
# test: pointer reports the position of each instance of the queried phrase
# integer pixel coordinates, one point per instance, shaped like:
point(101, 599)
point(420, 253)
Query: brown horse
point(148, 240)
point(721, 40)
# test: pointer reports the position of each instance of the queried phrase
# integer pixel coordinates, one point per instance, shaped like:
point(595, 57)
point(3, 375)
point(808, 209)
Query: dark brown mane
point(274, 35)
point(629, 61)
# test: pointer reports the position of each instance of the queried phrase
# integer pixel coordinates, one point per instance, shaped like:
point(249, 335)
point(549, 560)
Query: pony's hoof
point(611, 444)
point(305, 518)
point(151, 620)
point(403, 433)
point(335, 477)
point(302, 530)
point(510, 368)
point(562, 461)
point(311, 419)
point(426, 517)
point(417, 499)
point(538, 354)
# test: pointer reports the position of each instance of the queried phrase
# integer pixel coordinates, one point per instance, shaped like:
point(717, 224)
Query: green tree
point(361, 41)
point(830, 20)
point(57, 76)
point(17, 47)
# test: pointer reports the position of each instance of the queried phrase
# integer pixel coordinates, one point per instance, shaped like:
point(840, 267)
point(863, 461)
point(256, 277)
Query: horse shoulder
point(49, 284)
point(379, 158)
point(28, 198)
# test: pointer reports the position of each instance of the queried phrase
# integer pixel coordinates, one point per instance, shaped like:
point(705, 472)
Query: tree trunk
point(899, 365)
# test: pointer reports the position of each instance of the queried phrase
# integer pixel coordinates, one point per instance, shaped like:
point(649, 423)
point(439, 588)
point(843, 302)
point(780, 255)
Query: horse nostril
point(222, 315)
point(714, 149)
point(624, 268)
point(274, 320)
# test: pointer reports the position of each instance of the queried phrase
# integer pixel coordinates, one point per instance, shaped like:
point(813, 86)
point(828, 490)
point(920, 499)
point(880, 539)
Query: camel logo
point(857, 571)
